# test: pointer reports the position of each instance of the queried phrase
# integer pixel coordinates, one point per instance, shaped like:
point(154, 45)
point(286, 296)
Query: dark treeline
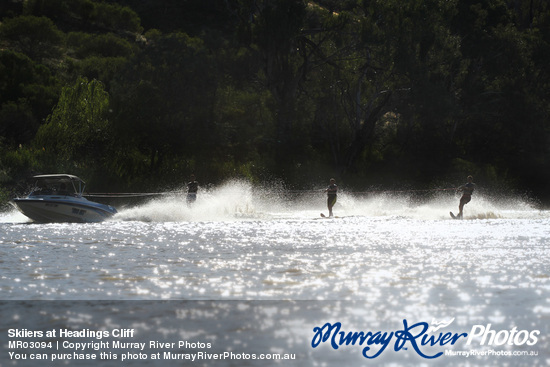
point(136, 95)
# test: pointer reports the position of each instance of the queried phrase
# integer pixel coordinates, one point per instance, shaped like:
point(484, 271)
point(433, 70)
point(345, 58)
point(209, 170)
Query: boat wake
point(231, 201)
point(240, 200)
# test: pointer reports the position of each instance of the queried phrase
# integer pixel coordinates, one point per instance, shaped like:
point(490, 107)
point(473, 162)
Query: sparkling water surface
point(388, 257)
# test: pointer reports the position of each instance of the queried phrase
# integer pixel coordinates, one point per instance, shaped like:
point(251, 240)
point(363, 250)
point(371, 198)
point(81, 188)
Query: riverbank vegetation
point(136, 95)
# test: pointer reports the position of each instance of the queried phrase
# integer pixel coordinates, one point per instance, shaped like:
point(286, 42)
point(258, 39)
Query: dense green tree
point(105, 45)
point(77, 132)
point(501, 123)
point(165, 99)
point(98, 56)
point(37, 37)
point(27, 92)
point(276, 32)
point(86, 14)
point(114, 16)
point(425, 60)
point(389, 72)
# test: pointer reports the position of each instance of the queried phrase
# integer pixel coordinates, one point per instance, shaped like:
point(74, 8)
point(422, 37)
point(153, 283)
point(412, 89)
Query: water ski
point(324, 216)
point(454, 216)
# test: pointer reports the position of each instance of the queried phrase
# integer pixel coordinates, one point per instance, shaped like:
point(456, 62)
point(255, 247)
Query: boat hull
point(63, 211)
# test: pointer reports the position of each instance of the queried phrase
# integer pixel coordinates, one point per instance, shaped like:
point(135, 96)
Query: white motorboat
point(59, 198)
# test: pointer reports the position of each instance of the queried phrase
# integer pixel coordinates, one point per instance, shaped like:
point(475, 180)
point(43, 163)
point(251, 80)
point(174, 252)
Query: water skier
point(467, 190)
point(192, 188)
point(331, 191)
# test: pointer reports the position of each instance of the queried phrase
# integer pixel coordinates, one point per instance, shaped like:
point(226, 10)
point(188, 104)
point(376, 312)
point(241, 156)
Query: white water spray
point(241, 200)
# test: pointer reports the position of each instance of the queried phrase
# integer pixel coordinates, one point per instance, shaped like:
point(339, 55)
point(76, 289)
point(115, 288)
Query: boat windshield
point(64, 186)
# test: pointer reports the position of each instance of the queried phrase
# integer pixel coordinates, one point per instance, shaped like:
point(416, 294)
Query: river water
point(250, 270)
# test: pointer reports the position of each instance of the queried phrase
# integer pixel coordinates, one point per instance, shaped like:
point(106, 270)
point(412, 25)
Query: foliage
point(76, 132)
point(27, 92)
point(374, 92)
point(37, 37)
point(105, 45)
point(94, 13)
